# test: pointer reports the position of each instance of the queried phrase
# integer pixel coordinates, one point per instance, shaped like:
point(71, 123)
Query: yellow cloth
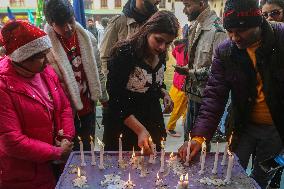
point(180, 105)
point(260, 113)
point(198, 139)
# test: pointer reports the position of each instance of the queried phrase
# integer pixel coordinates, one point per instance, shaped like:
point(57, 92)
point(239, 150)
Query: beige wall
point(218, 6)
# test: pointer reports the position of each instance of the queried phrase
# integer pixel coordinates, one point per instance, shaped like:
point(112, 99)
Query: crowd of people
point(52, 79)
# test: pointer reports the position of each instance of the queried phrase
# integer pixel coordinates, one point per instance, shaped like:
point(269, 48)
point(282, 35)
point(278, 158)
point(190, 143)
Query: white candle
point(202, 158)
point(93, 151)
point(101, 144)
point(133, 160)
point(151, 158)
point(188, 150)
point(83, 163)
point(185, 182)
point(162, 168)
point(223, 162)
point(143, 171)
point(120, 149)
point(154, 153)
point(180, 183)
point(230, 167)
point(214, 170)
point(159, 182)
point(129, 184)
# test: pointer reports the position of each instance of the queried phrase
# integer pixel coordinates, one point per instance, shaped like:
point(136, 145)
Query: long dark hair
point(161, 22)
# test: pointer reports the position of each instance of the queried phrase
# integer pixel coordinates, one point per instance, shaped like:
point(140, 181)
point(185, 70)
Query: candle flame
point(133, 153)
point(189, 137)
point(100, 142)
point(150, 139)
point(181, 178)
point(162, 143)
point(79, 138)
point(78, 172)
point(186, 177)
point(158, 176)
point(142, 151)
point(91, 138)
point(129, 177)
point(172, 155)
point(120, 136)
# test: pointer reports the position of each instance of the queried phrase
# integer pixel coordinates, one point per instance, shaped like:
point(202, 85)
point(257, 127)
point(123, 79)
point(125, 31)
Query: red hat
point(22, 40)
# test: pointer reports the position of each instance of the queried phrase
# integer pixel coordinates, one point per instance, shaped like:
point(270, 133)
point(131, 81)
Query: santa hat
point(242, 14)
point(22, 40)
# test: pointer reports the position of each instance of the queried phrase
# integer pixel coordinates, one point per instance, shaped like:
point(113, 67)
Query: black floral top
point(134, 88)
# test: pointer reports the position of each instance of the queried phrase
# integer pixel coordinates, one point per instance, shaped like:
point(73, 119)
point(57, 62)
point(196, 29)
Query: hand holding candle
point(83, 163)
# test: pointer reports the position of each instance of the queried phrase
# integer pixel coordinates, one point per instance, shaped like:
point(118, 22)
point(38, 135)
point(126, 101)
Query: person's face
point(67, 29)
point(159, 42)
point(192, 9)
point(36, 63)
point(244, 37)
point(272, 12)
point(91, 23)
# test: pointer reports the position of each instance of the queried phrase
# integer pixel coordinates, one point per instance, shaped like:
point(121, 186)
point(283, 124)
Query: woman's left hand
point(168, 103)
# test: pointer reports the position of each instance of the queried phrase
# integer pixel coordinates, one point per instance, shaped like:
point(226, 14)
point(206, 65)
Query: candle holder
point(80, 181)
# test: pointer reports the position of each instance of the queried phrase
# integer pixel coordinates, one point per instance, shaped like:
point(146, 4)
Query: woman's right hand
point(143, 142)
point(67, 146)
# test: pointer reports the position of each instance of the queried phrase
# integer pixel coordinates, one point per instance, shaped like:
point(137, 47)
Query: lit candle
point(230, 167)
point(129, 184)
point(93, 151)
point(171, 160)
point(223, 162)
point(188, 150)
point(80, 181)
point(120, 149)
point(162, 168)
point(180, 183)
point(143, 171)
point(151, 158)
point(83, 163)
point(202, 158)
point(133, 160)
point(185, 182)
point(214, 170)
point(159, 182)
point(101, 144)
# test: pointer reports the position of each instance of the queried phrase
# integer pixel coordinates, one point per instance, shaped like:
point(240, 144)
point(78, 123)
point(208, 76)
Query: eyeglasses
point(272, 14)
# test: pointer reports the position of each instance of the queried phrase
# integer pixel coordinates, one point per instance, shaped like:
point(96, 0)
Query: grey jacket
point(204, 36)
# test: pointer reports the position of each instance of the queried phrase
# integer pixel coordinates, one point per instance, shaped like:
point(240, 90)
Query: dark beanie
point(242, 14)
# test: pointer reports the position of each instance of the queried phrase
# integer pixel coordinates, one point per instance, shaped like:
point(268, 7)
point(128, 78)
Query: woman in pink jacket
point(35, 116)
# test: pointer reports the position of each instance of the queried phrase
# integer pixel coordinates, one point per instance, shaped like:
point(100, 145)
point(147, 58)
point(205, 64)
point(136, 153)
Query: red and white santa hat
point(22, 40)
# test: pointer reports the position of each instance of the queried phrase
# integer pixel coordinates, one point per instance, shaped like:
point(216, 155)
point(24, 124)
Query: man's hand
point(168, 103)
point(195, 148)
point(143, 142)
point(67, 149)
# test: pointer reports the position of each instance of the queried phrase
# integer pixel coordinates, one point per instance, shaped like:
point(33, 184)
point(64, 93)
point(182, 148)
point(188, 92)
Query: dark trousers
point(191, 115)
point(263, 141)
point(85, 127)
